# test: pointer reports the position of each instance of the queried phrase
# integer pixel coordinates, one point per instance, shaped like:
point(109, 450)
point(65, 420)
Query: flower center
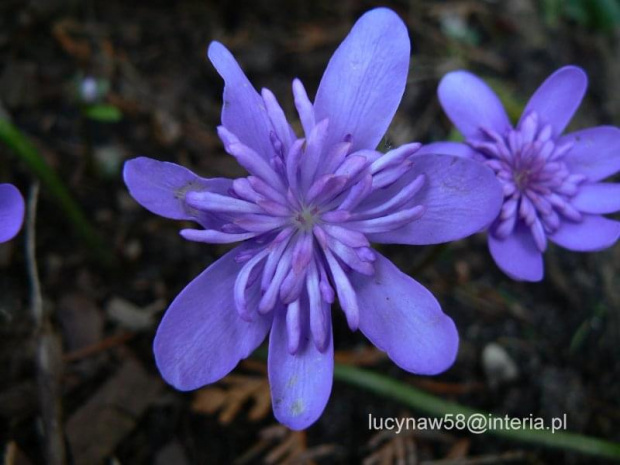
point(521, 179)
point(305, 219)
point(538, 185)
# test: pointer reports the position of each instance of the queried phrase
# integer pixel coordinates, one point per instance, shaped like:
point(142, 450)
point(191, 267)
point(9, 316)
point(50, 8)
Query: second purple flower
point(551, 182)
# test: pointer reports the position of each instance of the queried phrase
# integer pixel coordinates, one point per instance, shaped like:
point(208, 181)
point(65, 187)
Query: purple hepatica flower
point(11, 212)
point(306, 214)
point(551, 187)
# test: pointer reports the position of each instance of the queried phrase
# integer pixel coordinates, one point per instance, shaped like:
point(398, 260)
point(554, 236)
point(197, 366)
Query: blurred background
point(85, 85)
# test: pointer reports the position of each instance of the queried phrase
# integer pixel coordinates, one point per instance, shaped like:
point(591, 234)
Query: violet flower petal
point(456, 149)
point(401, 317)
point(161, 186)
point(596, 152)
point(471, 105)
point(300, 383)
point(593, 233)
point(201, 337)
point(461, 197)
point(243, 112)
point(11, 212)
point(517, 254)
point(558, 98)
point(365, 80)
point(599, 198)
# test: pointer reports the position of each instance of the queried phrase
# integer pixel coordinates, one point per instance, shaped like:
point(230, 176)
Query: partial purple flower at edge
point(11, 212)
point(306, 215)
point(551, 182)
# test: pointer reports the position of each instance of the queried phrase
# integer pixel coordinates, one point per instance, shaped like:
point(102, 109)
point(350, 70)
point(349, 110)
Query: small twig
point(101, 346)
point(48, 358)
point(36, 302)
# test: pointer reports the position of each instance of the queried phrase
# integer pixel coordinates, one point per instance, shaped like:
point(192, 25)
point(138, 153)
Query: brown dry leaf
point(231, 394)
point(292, 444)
point(398, 449)
point(278, 445)
point(459, 450)
point(111, 413)
point(65, 32)
point(14, 456)
point(389, 448)
point(311, 37)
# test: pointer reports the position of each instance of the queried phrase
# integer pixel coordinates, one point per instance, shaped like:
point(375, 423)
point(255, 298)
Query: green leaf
point(103, 113)
point(435, 406)
point(28, 153)
point(605, 14)
point(455, 135)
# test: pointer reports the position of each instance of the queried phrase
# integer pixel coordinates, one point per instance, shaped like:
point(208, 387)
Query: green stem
point(438, 407)
point(29, 154)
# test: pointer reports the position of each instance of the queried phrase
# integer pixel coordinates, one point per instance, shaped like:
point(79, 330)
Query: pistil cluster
point(306, 221)
point(537, 184)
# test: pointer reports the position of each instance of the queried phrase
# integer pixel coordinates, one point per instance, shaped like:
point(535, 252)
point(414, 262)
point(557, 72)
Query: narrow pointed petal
point(517, 254)
point(593, 233)
point(212, 236)
point(393, 157)
point(243, 111)
point(319, 311)
point(346, 236)
point(471, 105)
point(277, 249)
point(161, 187)
point(409, 190)
point(557, 99)
point(208, 201)
point(300, 383)
point(243, 189)
point(201, 337)
point(260, 223)
point(12, 209)
point(282, 129)
point(401, 317)
point(293, 327)
point(461, 197)
point(365, 80)
point(304, 107)
point(346, 293)
point(357, 194)
point(351, 258)
point(325, 188)
point(266, 190)
point(595, 153)
point(598, 198)
point(389, 222)
point(241, 284)
point(255, 165)
point(302, 252)
point(313, 153)
point(446, 148)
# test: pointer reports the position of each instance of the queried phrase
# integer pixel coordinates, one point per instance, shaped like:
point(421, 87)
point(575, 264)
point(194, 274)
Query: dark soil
point(563, 334)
